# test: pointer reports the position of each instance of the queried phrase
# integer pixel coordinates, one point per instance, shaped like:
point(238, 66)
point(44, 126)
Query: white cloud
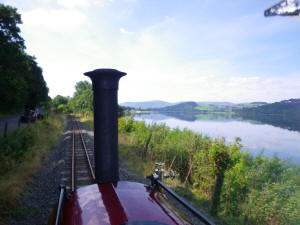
point(102, 3)
point(155, 72)
point(53, 19)
point(67, 44)
point(74, 3)
point(123, 31)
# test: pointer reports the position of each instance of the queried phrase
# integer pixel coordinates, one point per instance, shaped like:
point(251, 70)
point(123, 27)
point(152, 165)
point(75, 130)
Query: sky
point(172, 50)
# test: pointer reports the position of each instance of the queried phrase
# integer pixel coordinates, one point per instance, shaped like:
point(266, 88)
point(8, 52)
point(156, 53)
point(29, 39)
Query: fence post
point(146, 147)
point(5, 129)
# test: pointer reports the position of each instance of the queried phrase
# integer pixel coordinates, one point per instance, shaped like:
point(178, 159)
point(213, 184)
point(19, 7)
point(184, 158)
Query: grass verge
point(146, 166)
point(87, 121)
point(21, 156)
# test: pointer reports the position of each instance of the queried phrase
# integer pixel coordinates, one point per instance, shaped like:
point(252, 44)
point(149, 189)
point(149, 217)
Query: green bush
point(254, 190)
point(14, 146)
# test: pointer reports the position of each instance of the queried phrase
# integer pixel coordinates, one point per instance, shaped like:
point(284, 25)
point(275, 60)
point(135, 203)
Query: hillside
point(277, 108)
point(147, 104)
point(202, 107)
point(284, 114)
point(181, 107)
point(217, 103)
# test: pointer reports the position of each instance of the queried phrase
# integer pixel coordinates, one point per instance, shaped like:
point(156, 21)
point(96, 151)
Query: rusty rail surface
point(75, 160)
point(86, 153)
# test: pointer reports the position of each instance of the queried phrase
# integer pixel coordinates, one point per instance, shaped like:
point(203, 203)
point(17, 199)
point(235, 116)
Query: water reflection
point(255, 135)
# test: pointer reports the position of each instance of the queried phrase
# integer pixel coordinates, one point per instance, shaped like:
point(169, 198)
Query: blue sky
point(172, 50)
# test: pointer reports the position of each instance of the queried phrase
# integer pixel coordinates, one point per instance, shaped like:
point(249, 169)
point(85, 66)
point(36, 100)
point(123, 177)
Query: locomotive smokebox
point(105, 87)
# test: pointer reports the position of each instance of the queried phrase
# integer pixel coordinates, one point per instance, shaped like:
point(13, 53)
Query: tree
point(81, 86)
point(21, 80)
point(59, 100)
point(9, 30)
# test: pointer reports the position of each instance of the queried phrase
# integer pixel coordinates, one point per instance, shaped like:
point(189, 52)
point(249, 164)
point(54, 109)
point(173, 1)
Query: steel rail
point(73, 158)
point(86, 153)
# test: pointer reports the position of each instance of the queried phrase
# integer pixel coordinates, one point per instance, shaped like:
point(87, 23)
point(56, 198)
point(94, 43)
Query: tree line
point(81, 102)
point(21, 79)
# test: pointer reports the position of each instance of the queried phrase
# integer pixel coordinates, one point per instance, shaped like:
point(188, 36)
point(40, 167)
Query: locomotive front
point(110, 201)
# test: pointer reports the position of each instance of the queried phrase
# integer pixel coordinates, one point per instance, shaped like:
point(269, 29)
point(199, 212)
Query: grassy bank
point(229, 183)
point(21, 156)
point(217, 177)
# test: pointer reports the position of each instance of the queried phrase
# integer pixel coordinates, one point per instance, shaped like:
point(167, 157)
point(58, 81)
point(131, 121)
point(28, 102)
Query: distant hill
point(285, 114)
point(217, 103)
point(147, 104)
point(277, 108)
point(249, 105)
point(259, 103)
point(181, 107)
point(202, 107)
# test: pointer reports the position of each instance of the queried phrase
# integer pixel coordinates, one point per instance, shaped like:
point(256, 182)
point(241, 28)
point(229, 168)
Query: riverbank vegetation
point(218, 176)
point(22, 153)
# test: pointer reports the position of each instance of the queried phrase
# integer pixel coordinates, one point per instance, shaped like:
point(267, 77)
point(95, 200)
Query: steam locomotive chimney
point(105, 87)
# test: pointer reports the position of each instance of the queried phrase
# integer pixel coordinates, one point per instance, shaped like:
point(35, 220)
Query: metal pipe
point(105, 87)
point(73, 157)
point(203, 218)
point(60, 202)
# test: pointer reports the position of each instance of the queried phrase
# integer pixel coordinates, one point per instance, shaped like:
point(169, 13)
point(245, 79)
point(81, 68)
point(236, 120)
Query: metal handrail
point(61, 196)
point(155, 183)
point(73, 158)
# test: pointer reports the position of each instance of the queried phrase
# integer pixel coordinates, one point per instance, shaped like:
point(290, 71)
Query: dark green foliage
point(60, 103)
point(241, 189)
point(13, 148)
point(121, 111)
point(21, 80)
point(9, 30)
point(82, 86)
point(82, 101)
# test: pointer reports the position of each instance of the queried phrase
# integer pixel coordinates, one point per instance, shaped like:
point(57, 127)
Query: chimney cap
point(105, 78)
point(105, 71)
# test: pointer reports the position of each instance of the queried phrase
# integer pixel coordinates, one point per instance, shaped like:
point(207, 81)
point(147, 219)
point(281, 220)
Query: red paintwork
point(117, 203)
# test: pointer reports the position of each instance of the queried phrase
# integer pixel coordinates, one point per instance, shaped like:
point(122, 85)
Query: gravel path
point(37, 203)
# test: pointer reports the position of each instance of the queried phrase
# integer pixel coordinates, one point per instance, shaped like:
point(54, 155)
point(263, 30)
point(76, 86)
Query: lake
point(255, 135)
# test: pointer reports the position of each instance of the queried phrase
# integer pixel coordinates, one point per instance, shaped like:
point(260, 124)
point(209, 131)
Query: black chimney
point(105, 87)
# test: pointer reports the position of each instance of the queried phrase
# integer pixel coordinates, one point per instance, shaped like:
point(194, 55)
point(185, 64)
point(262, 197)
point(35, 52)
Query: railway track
point(79, 161)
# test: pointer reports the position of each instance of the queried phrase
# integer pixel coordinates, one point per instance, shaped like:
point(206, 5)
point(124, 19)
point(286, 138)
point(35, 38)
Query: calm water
point(255, 136)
